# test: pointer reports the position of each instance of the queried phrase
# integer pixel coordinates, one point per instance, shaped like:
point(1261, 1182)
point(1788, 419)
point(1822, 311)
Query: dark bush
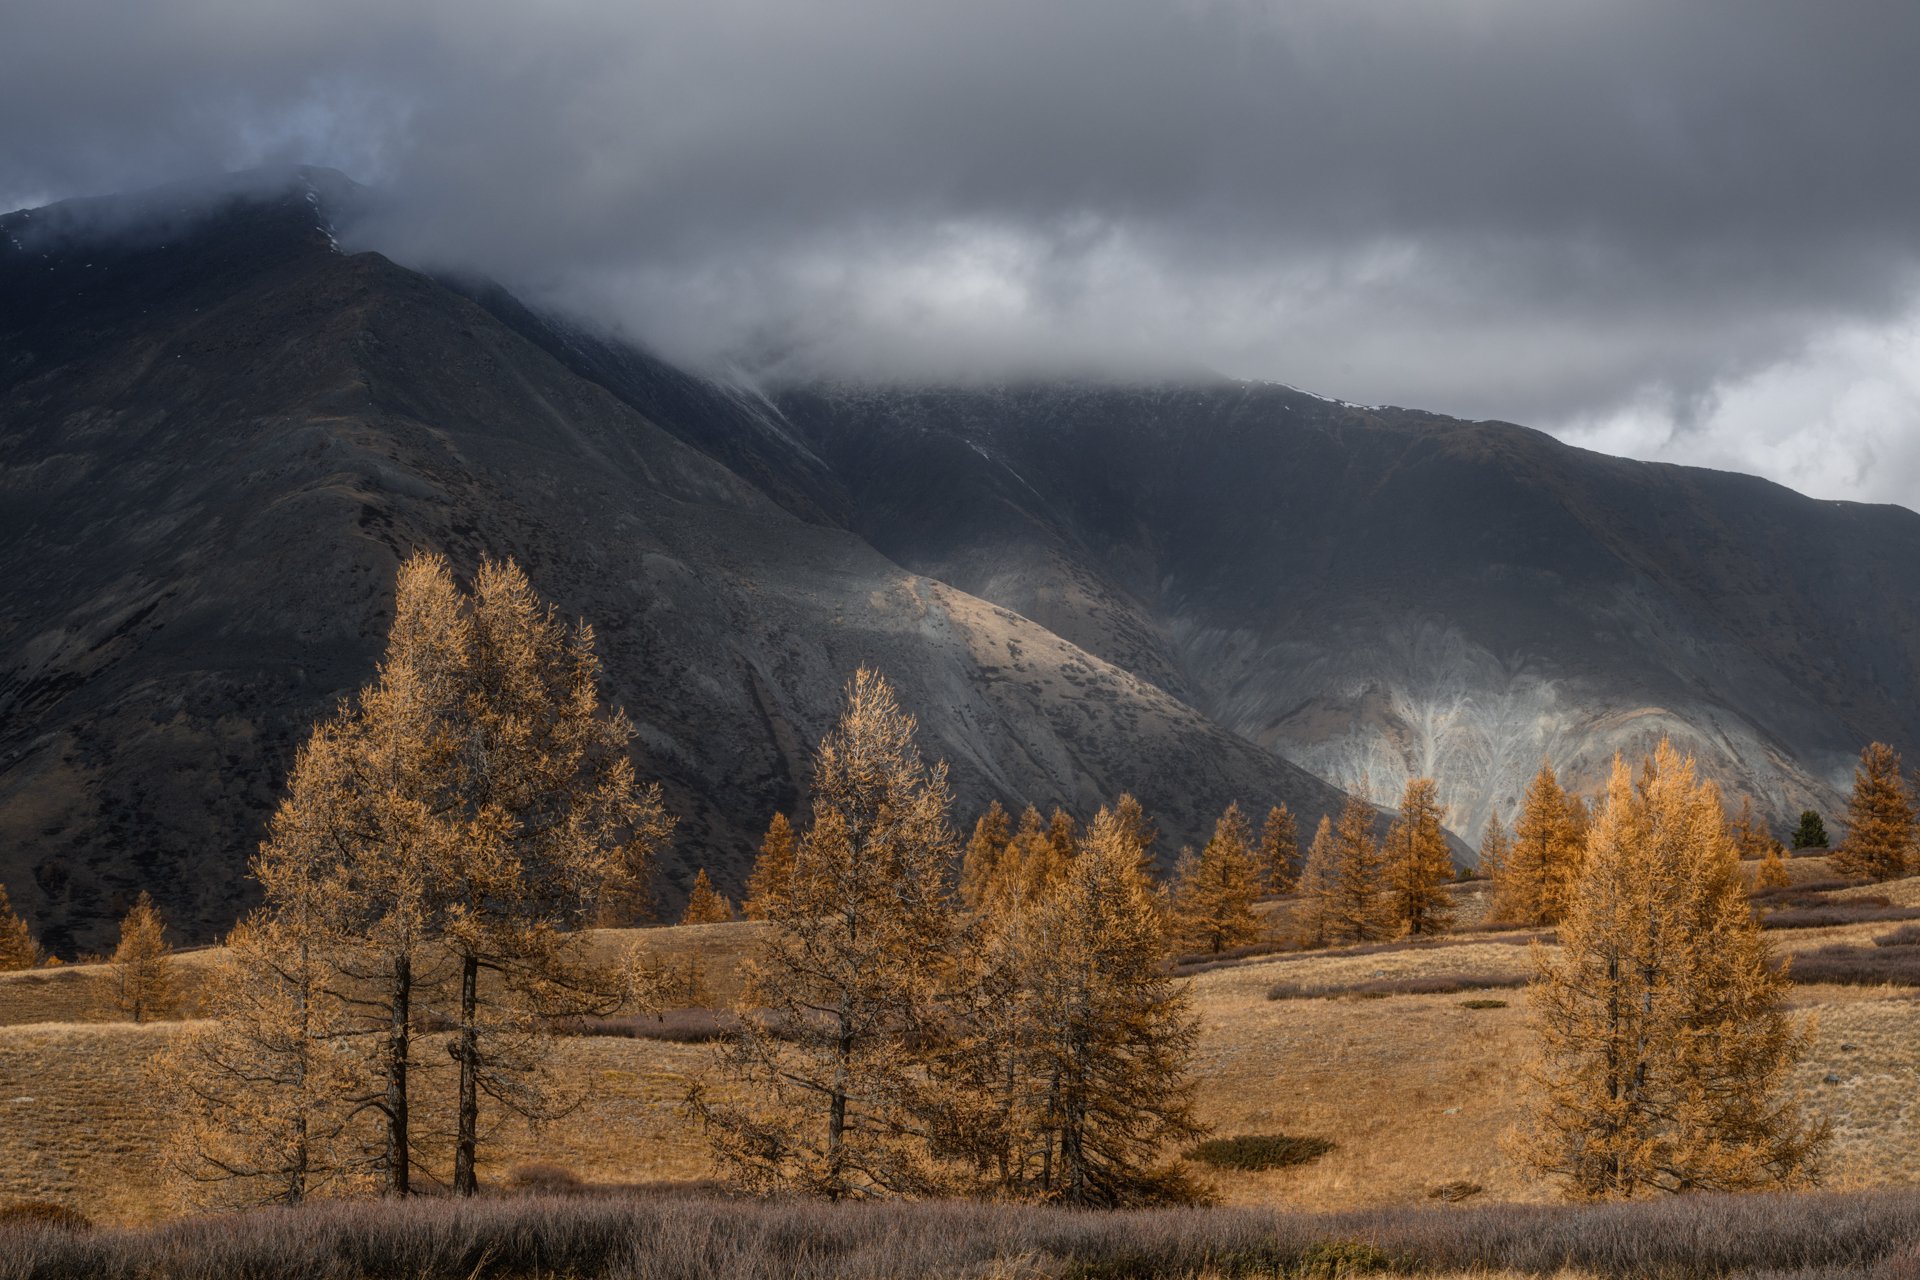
point(1377, 988)
point(1907, 935)
point(44, 1214)
point(1483, 1004)
point(1875, 966)
point(1827, 915)
point(678, 1026)
point(1251, 1152)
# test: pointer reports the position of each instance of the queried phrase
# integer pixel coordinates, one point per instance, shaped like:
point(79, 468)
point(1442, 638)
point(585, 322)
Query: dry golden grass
point(1416, 1091)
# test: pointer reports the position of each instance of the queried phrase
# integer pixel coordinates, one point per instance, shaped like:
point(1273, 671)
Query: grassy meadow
point(1409, 1059)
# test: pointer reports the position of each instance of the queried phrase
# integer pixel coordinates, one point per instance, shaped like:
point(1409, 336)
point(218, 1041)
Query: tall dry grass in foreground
point(689, 1238)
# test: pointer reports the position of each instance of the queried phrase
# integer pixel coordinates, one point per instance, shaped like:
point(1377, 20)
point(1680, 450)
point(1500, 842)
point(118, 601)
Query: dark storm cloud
point(1575, 213)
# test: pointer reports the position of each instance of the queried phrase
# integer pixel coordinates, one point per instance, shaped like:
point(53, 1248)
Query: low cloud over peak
point(1680, 231)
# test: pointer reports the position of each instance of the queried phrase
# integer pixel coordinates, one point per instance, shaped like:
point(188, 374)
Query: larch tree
point(1880, 818)
point(980, 865)
point(1114, 1034)
point(1772, 871)
point(263, 1085)
point(1355, 866)
point(1751, 839)
point(1214, 891)
point(1496, 846)
point(549, 819)
point(772, 871)
point(706, 904)
point(1665, 1049)
point(142, 971)
point(1419, 865)
point(18, 948)
point(1313, 918)
point(1280, 850)
point(844, 1005)
point(1547, 849)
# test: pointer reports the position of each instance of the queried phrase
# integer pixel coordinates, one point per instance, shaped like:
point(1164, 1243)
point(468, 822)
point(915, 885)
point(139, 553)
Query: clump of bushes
point(44, 1214)
point(1483, 1004)
point(543, 1179)
point(1251, 1152)
point(676, 1026)
point(1374, 988)
point(1852, 911)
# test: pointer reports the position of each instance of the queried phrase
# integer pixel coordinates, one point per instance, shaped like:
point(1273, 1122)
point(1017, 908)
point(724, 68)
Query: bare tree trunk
point(399, 1155)
point(467, 1050)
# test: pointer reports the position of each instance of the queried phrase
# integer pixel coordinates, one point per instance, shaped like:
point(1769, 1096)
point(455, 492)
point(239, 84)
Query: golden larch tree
point(1496, 846)
point(18, 948)
point(1538, 874)
point(1772, 871)
point(1280, 850)
point(142, 971)
point(1665, 1049)
point(1313, 917)
point(1114, 1034)
point(263, 1086)
point(1354, 909)
point(771, 871)
point(843, 1005)
point(1751, 839)
point(1880, 818)
point(706, 904)
point(1214, 891)
point(980, 869)
point(1419, 865)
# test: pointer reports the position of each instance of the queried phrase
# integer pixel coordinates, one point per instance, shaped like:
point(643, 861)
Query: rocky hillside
point(219, 434)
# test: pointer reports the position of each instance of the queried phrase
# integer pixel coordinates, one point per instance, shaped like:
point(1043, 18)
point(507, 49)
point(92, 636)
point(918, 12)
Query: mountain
point(218, 436)
point(219, 433)
point(1376, 593)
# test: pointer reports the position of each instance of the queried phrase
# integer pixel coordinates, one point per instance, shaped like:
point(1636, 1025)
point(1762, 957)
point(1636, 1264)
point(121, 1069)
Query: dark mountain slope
point(217, 437)
point(1377, 592)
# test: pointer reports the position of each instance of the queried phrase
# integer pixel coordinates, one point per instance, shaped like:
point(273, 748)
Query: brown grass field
point(1416, 1092)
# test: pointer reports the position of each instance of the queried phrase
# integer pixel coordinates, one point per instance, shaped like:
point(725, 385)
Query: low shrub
point(44, 1214)
point(1907, 935)
point(549, 1179)
point(1844, 965)
point(1455, 1192)
point(1827, 915)
point(1483, 1004)
point(1379, 988)
point(676, 1026)
point(1252, 1152)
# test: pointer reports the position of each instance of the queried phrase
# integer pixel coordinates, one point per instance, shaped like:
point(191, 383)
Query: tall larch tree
point(1313, 918)
point(1751, 839)
point(1280, 851)
point(144, 982)
point(1665, 1050)
point(1419, 865)
point(980, 864)
point(1214, 891)
point(1880, 818)
point(550, 819)
point(1547, 849)
point(263, 1085)
point(772, 871)
point(1115, 1035)
point(1496, 847)
point(829, 1074)
point(706, 904)
point(18, 948)
point(1354, 910)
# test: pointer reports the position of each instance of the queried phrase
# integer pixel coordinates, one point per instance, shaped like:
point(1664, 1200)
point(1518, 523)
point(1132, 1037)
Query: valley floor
point(1416, 1091)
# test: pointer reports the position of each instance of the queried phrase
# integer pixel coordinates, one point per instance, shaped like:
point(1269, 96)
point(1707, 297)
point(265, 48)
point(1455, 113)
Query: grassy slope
point(1416, 1090)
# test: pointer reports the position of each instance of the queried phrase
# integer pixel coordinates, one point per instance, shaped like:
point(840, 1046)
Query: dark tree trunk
point(467, 1050)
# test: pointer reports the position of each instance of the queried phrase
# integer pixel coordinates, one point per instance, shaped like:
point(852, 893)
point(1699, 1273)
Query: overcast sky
point(1683, 229)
